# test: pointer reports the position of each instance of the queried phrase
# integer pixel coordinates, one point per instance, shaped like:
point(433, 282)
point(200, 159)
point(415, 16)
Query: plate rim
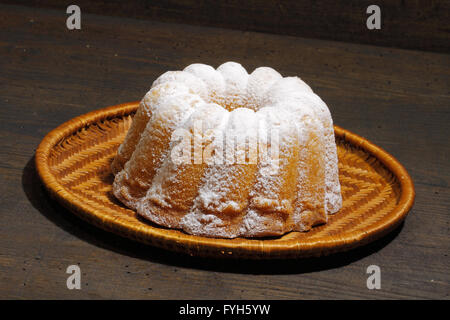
point(179, 241)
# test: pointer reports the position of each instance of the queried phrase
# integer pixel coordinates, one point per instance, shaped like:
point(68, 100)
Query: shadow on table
point(64, 219)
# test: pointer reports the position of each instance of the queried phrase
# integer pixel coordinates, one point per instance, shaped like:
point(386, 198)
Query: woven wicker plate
point(73, 162)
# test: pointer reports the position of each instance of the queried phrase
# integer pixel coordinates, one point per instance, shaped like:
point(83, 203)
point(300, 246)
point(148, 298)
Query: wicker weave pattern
point(73, 162)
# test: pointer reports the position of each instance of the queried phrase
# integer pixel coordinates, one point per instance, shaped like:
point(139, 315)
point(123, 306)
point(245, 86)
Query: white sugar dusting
point(236, 79)
point(259, 81)
point(213, 80)
point(220, 179)
point(202, 125)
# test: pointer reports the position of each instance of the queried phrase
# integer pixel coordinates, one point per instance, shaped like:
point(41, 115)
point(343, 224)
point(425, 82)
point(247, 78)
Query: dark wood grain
point(396, 98)
point(411, 24)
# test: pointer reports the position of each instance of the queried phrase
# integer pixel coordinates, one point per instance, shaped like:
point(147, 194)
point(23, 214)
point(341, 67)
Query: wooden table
point(396, 98)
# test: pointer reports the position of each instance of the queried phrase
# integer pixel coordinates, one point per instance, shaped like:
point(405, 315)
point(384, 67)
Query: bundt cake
point(223, 153)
